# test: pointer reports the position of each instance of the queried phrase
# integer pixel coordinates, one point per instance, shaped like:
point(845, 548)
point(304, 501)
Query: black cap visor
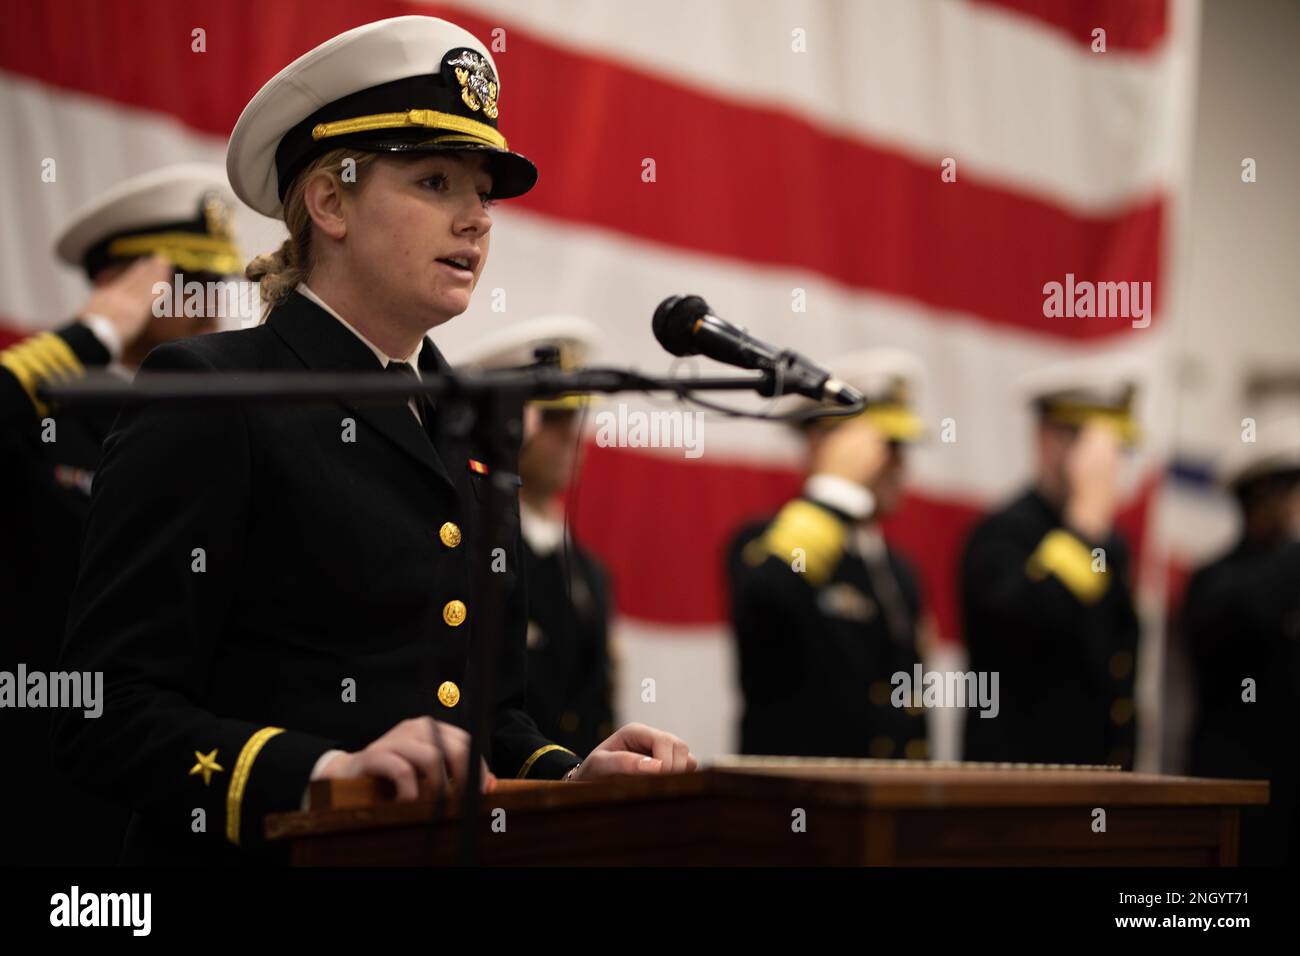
point(513, 174)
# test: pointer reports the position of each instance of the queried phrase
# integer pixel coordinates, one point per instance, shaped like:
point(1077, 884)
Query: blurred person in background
point(168, 224)
point(1241, 627)
point(569, 661)
point(1045, 589)
point(823, 610)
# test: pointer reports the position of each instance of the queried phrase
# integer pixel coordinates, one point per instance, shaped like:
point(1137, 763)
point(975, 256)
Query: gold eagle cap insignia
point(216, 217)
point(478, 83)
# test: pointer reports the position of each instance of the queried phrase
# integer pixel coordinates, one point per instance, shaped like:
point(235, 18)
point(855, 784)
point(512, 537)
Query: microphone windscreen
point(674, 323)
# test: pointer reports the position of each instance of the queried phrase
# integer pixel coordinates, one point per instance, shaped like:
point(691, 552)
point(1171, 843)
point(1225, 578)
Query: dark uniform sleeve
point(1061, 629)
point(518, 748)
point(174, 479)
point(1229, 637)
point(797, 553)
point(1212, 618)
point(64, 354)
point(600, 703)
point(1056, 583)
point(771, 601)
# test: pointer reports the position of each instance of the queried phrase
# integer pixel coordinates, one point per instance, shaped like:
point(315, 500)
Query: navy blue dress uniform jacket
point(569, 668)
point(45, 485)
point(1062, 637)
point(1241, 620)
point(325, 565)
point(818, 648)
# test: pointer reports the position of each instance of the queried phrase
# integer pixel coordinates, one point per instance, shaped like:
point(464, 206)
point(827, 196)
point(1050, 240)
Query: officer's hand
point(636, 748)
point(1092, 473)
point(126, 301)
point(410, 751)
point(854, 450)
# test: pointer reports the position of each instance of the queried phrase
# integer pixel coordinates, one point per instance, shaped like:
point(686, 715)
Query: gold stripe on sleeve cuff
point(541, 751)
point(239, 779)
point(813, 530)
point(1062, 554)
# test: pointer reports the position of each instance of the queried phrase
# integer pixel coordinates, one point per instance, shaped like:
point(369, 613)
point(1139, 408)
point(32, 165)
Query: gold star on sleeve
point(207, 765)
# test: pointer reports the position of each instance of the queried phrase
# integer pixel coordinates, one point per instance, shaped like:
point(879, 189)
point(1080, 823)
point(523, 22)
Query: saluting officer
point(1045, 588)
point(569, 665)
point(139, 233)
point(824, 612)
point(318, 558)
point(1241, 624)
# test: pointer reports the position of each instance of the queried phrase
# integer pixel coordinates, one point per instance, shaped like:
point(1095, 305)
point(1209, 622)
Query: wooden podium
point(745, 812)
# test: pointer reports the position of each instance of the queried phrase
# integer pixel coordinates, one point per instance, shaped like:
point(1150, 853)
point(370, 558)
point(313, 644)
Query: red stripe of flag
point(1135, 25)
point(734, 180)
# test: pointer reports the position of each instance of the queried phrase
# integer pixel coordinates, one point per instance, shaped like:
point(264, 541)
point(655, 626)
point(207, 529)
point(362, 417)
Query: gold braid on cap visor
point(188, 251)
point(572, 401)
point(1080, 414)
point(431, 119)
point(895, 421)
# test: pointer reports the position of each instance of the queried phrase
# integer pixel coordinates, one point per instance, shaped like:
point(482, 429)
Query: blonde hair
point(280, 272)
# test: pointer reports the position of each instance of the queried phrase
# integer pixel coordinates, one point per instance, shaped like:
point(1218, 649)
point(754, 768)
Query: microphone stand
point(105, 388)
point(486, 407)
point(493, 419)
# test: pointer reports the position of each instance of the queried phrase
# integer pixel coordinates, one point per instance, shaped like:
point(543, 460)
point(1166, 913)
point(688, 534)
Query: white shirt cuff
point(841, 494)
point(106, 332)
point(316, 772)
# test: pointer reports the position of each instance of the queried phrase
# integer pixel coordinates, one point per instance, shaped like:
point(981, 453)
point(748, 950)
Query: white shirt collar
point(412, 360)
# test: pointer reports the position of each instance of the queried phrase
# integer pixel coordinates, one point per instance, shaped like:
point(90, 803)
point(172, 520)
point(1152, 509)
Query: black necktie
point(889, 595)
point(422, 403)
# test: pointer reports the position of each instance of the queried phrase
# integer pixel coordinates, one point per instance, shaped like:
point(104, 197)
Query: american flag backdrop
point(786, 160)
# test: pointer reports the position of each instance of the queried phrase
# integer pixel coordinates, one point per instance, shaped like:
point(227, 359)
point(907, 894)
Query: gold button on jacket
point(450, 534)
point(453, 612)
point(448, 694)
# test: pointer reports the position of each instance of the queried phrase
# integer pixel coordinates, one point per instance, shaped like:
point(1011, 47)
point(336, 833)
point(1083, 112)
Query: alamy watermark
point(59, 689)
point(626, 428)
point(75, 909)
point(236, 299)
point(1102, 300)
point(922, 688)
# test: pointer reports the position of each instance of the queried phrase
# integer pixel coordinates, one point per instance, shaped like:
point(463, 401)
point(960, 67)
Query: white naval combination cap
point(1079, 391)
point(888, 378)
point(409, 84)
point(180, 212)
point(573, 337)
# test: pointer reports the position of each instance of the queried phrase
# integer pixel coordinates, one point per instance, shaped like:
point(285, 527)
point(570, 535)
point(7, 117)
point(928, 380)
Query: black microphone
point(684, 325)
